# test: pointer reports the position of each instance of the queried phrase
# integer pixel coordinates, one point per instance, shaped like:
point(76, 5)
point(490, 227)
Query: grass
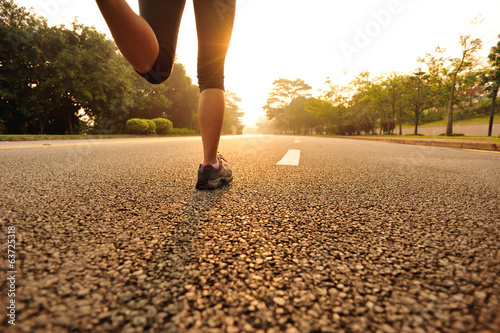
point(55, 135)
point(482, 120)
point(175, 132)
point(489, 138)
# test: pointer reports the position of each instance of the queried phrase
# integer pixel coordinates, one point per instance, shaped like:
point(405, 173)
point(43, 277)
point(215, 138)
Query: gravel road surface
point(361, 236)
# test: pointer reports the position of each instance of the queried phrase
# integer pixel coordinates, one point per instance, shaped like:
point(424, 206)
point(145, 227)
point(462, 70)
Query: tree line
point(59, 80)
point(440, 88)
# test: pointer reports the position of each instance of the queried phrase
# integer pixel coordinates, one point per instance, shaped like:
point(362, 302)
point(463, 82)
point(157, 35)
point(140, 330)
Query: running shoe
point(210, 178)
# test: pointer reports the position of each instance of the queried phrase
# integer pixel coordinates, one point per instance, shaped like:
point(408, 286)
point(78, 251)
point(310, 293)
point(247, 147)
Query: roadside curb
point(449, 143)
point(62, 137)
point(83, 137)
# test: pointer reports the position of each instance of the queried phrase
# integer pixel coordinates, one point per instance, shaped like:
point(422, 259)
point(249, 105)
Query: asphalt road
point(361, 236)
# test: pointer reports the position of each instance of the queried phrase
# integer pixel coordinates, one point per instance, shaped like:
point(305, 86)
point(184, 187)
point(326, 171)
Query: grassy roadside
point(474, 121)
point(61, 135)
point(34, 137)
point(493, 138)
point(489, 138)
point(27, 137)
point(21, 137)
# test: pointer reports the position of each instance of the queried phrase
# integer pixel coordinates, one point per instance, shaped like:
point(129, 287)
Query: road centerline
point(292, 157)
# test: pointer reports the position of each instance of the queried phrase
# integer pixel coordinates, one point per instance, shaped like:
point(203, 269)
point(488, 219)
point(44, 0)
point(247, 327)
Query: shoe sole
point(215, 183)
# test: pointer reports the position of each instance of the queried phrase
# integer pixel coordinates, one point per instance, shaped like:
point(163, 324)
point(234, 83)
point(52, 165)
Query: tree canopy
point(439, 88)
point(59, 80)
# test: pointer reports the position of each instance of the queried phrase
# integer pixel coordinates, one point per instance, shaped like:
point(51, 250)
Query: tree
point(437, 77)
point(331, 107)
point(297, 116)
point(50, 77)
point(20, 36)
point(469, 48)
point(492, 80)
point(323, 110)
point(149, 101)
point(363, 103)
point(403, 103)
point(80, 69)
point(106, 90)
point(392, 85)
point(418, 95)
point(184, 95)
point(378, 98)
point(232, 114)
point(283, 93)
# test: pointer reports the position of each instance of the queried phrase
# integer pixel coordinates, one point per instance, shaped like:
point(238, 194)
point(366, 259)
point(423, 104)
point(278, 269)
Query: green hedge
point(163, 125)
point(156, 126)
point(151, 126)
point(137, 126)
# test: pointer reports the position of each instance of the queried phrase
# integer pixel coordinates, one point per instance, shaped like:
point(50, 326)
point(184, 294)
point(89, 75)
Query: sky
point(315, 40)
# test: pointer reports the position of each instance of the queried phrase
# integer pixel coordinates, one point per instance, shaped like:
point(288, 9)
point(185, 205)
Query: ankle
point(215, 165)
point(207, 161)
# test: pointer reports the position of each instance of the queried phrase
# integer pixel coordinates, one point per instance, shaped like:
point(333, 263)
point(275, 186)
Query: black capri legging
point(214, 25)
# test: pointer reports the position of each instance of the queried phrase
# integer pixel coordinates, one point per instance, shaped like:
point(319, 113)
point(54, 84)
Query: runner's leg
point(214, 24)
point(132, 34)
point(148, 41)
point(164, 17)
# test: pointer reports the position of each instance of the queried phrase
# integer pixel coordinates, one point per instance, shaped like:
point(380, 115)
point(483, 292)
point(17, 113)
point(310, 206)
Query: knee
point(213, 84)
point(211, 77)
point(158, 74)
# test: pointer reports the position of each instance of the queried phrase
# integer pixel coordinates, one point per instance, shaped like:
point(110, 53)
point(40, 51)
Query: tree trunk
point(493, 102)
point(70, 123)
point(394, 112)
point(400, 120)
point(417, 114)
point(449, 125)
point(41, 125)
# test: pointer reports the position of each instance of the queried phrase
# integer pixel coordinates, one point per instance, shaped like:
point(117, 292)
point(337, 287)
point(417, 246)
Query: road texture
point(361, 236)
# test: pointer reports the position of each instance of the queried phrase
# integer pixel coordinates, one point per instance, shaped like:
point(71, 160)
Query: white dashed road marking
point(292, 157)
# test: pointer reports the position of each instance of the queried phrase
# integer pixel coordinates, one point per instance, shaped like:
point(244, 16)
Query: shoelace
point(219, 156)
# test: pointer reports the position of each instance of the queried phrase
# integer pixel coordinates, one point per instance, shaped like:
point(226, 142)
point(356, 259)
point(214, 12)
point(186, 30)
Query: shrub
point(163, 125)
point(348, 129)
point(366, 127)
point(452, 134)
point(318, 130)
point(331, 130)
point(388, 126)
point(151, 126)
point(137, 126)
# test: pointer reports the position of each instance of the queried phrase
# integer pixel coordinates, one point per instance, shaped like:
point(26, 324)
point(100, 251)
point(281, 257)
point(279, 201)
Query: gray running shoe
point(210, 178)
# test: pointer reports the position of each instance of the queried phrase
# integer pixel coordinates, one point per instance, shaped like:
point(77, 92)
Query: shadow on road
point(169, 268)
